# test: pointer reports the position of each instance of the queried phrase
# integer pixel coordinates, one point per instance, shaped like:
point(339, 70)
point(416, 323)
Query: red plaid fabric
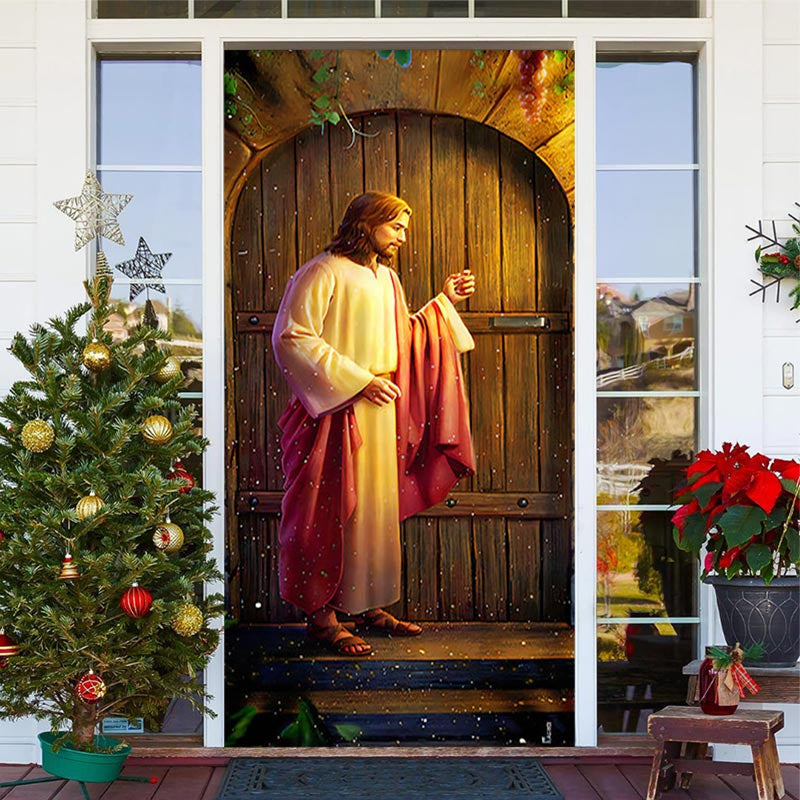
point(743, 679)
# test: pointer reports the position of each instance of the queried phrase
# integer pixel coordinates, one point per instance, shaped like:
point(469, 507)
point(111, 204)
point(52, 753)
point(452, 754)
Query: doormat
point(392, 778)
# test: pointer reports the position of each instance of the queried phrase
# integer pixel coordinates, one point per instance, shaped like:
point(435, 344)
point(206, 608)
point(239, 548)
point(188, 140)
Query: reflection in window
point(424, 8)
point(646, 223)
point(252, 9)
point(331, 8)
point(631, 433)
point(646, 337)
point(640, 571)
point(639, 671)
point(141, 9)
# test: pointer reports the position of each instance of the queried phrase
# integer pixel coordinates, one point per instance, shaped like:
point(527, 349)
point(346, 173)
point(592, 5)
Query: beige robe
point(334, 331)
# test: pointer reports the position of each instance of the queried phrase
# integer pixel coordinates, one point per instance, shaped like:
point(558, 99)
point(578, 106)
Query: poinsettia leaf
point(740, 523)
point(789, 485)
point(764, 490)
point(348, 732)
point(776, 518)
point(768, 573)
point(793, 541)
point(694, 534)
point(758, 556)
point(705, 492)
point(733, 570)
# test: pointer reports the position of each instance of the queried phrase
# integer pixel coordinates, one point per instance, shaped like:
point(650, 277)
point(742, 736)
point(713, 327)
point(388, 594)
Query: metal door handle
point(533, 321)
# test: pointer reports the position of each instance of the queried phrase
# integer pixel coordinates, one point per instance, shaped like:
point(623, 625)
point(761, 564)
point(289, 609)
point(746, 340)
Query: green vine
point(234, 105)
point(566, 86)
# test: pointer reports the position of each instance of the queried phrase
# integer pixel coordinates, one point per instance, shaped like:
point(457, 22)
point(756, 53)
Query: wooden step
point(447, 656)
point(419, 701)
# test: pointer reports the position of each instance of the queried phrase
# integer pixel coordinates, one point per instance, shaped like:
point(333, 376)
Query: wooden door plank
point(414, 186)
point(251, 420)
point(421, 557)
point(553, 242)
point(608, 781)
point(522, 391)
point(491, 570)
point(279, 205)
point(314, 221)
point(347, 167)
point(483, 216)
point(246, 247)
point(524, 570)
point(380, 152)
point(277, 397)
point(279, 610)
point(448, 172)
point(456, 570)
point(518, 219)
point(486, 388)
point(254, 554)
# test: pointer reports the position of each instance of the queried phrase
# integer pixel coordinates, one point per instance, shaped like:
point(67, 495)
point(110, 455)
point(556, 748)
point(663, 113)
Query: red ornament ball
point(136, 601)
point(180, 474)
point(90, 688)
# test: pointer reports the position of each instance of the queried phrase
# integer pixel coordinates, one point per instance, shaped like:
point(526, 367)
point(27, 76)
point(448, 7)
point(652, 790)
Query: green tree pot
point(753, 613)
point(78, 765)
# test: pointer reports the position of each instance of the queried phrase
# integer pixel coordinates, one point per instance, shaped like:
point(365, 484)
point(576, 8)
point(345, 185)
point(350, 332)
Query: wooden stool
point(675, 725)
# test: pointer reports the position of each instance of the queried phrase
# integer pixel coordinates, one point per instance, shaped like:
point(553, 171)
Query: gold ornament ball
point(171, 369)
point(37, 436)
point(157, 429)
point(88, 506)
point(96, 356)
point(168, 537)
point(188, 620)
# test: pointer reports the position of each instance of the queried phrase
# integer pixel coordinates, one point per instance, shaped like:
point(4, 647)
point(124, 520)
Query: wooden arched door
point(500, 548)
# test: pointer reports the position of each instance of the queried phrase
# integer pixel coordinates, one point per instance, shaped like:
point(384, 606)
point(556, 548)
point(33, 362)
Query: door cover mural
point(478, 147)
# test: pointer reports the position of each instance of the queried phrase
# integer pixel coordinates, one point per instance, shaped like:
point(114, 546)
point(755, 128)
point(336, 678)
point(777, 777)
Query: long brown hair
point(365, 213)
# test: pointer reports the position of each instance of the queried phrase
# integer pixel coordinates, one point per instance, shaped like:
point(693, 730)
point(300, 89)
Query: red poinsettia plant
point(742, 508)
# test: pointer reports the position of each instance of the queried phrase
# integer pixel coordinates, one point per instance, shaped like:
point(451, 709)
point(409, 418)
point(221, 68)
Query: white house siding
point(17, 235)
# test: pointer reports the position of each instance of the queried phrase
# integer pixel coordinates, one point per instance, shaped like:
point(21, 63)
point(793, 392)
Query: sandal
point(380, 620)
point(338, 639)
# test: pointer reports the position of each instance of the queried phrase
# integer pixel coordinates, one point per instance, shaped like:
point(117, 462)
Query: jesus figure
point(378, 426)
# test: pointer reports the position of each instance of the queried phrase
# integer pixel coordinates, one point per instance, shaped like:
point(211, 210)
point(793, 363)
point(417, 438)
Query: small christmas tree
point(104, 547)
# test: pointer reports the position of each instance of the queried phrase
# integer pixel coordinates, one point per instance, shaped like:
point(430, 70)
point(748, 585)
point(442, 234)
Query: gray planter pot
point(752, 613)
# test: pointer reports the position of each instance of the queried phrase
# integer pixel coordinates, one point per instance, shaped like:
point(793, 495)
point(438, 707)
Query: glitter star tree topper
point(95, 212)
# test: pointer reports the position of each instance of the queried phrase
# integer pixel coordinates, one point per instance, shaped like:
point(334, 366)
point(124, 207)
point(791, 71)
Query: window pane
point(139, 9)
point(639, 672)
point(517, 8)
point(646, 337)
point(632, 433)
point(179, 310)
point(165, 210)
point(640, 571)
point(331, 8)
point(149, 112)
point(424, 8)
point(645, 113)
point(633, 8)
point(646, 224)
point(237, 8)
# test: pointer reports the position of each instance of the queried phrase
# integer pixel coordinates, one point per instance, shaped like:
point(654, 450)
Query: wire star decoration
point(145, 264)
point(95, 212)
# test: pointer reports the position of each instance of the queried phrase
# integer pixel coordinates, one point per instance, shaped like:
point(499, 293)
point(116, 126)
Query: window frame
point(730, 186)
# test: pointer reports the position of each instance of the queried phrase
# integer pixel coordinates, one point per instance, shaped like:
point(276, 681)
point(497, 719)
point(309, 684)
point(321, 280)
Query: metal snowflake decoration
point(784, 263)
point(145, 264)
point(95, 212)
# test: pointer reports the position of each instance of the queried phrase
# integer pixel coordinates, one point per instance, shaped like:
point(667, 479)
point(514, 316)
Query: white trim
point(585, 406)
point(656, 279)
point(212, 68)
point(648, 620)
point(687, 393)
point(634, 507)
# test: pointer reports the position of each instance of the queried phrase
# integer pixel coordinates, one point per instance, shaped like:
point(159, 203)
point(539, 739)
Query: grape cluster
point(533, 74)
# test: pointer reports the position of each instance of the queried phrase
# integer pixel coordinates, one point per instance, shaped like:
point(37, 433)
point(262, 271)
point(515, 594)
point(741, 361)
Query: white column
point(214, 346)
point(585, 404)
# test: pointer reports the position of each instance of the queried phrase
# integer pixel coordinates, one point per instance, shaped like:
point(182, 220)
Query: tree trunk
point(84, 718)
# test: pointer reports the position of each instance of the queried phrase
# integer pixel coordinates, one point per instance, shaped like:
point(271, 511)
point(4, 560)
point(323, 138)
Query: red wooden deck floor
point(578, 779)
